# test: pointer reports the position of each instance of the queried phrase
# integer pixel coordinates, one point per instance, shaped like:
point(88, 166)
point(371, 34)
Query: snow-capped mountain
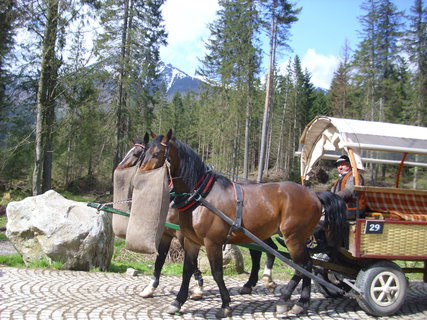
point(177, 80)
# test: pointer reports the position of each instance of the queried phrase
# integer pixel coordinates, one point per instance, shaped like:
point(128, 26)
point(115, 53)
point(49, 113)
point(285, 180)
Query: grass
point(70, 196)
point(3, 221)
point(12, 260)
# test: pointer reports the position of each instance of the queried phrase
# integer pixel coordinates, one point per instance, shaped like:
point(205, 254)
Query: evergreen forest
point(69, 111)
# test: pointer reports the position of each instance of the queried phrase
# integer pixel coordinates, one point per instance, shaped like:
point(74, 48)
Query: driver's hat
point(341, 159)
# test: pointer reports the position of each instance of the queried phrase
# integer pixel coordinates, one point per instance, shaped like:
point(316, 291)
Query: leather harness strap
point(237, 224)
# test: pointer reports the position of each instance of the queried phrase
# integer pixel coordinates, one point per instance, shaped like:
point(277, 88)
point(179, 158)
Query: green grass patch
point(411, 264)
point(12, 260)
point(3, 221)
point(44, 263)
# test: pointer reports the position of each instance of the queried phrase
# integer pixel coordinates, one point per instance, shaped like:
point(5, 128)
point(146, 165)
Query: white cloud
point(321, 67)
point(186, 23)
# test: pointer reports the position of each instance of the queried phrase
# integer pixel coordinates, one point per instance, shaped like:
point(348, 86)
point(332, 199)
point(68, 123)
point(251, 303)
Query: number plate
point(374, 226)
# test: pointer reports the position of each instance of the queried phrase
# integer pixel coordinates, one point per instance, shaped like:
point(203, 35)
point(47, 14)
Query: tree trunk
point(247, 134)
point(45, 102)
point(121, 106)
point(268, 93)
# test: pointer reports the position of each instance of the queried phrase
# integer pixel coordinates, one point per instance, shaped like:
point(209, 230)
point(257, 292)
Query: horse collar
point(190, 201)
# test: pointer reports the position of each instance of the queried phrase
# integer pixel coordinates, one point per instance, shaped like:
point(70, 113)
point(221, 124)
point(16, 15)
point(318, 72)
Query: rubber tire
point(369, 277)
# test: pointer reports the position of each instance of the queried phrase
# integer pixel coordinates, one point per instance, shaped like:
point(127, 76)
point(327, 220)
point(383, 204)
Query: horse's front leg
point(163, 250)
point(214, 253)
point(190, 265)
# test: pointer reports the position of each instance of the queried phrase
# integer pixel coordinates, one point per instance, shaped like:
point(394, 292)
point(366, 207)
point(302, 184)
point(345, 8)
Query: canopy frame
point(325, 134)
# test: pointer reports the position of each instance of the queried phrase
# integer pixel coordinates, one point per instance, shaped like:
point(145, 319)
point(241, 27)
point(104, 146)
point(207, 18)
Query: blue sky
point(317, 37)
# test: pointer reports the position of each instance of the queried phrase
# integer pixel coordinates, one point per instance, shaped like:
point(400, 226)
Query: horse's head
point(157, 153)
point(135, 154)
point(186, 167)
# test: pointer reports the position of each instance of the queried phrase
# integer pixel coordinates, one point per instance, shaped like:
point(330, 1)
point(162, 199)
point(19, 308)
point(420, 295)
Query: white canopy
point(324, 137)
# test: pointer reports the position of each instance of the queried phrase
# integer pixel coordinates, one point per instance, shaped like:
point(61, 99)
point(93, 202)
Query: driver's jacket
point(355, 201)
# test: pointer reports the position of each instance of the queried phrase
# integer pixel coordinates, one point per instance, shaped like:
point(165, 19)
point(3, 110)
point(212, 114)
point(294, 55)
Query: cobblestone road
point(34, 294)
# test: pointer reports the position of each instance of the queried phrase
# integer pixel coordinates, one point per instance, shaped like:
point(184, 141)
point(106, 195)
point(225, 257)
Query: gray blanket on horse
point(123, 188)
point(149, 210)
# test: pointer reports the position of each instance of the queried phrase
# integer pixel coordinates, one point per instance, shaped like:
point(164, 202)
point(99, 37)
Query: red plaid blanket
point(410, 205)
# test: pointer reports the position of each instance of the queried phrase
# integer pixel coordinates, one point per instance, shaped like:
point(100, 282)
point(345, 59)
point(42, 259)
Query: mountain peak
point(176, 80)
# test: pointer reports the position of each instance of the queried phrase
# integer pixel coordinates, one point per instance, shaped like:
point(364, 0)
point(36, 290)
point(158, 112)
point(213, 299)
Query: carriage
point(395, 225)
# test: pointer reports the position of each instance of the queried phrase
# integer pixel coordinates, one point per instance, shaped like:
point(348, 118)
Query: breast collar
point(189, 201)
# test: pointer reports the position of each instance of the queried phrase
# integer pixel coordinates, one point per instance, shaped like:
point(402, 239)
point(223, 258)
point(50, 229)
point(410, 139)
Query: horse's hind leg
point(267, 276)
point(268, 269)
point(284, 305)
point(253, 277)
point(304, 300)
point(198, 289)
point(163, 250)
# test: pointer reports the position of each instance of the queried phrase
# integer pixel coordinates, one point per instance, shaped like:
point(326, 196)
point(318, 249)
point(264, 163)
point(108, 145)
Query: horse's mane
point(192, 168)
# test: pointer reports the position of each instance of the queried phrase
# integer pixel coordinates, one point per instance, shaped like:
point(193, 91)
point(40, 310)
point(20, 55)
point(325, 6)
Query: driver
point(344, 187)
point(355, 201)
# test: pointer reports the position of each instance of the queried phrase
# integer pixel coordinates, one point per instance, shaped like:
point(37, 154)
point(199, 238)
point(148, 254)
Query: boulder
point(232, 259)
point(51, 227)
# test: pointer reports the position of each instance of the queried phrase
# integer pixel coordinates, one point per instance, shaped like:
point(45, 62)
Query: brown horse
point(133, 158)
point(268, 208)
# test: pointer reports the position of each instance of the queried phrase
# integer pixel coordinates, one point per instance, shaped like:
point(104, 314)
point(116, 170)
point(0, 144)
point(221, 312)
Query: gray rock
point(51, 227)
point(232, 259)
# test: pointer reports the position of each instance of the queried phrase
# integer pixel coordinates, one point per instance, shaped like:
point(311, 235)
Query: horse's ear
point(167, 138)
point(153, 135)
point(169, 134)
point(135, 140)
point(146, 138)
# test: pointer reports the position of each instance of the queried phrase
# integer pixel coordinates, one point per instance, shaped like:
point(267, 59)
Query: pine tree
point(280, 14)
point(377, 60)
point(233, 61)
point(339, 93)
point(416, 47)
point(133, 34)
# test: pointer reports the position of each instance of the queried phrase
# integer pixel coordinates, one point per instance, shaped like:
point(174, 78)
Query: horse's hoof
point(297, 310)
point(246, 290)
point(271, 285)
point(283, 307)
point(197, 294)
point(223, 313)
point(174, 307)
point(148, 292)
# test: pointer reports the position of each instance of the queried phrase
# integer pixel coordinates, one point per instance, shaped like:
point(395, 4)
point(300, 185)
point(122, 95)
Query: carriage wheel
point(383, 286)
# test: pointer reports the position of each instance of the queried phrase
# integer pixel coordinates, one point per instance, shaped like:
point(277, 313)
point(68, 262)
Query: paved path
point(34, 294)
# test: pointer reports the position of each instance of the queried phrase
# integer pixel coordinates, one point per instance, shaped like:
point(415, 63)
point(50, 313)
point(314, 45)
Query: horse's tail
point(335, 217)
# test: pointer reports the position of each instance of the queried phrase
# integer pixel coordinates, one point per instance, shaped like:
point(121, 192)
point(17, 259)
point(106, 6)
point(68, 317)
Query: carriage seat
point(395, 203)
